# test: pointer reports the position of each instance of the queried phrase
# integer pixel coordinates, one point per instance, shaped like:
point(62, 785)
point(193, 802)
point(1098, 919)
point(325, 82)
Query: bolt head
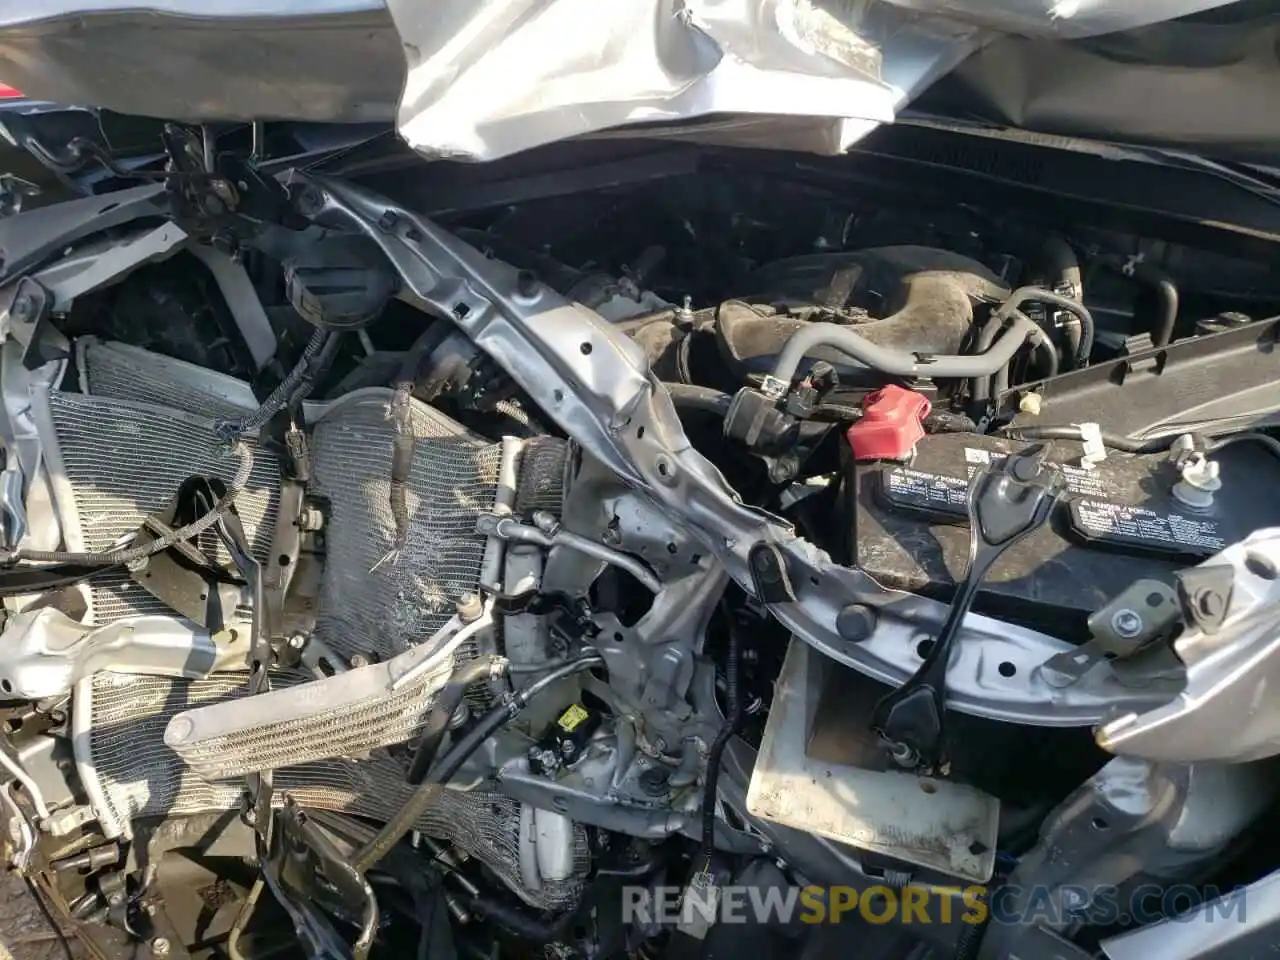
point(1210, 603)
point(179, 730)
point(297, 641)
point(160, 946)
point(359, 660)
point(1127, 623)
point(470, 606)
point(856, 622)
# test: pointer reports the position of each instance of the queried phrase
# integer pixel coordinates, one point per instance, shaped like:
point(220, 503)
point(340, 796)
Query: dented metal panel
point(931, 823)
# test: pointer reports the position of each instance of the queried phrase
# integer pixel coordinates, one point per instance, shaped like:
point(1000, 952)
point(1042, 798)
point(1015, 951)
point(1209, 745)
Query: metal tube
point(504, 500)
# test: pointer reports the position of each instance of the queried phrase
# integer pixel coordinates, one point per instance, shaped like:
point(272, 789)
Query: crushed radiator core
point(143, 424)
point(139, 776)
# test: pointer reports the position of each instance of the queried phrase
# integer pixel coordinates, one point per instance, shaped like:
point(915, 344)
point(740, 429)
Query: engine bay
point(390, 582)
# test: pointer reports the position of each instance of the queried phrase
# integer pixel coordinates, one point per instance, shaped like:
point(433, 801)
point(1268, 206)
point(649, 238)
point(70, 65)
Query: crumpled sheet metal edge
point(593, 383)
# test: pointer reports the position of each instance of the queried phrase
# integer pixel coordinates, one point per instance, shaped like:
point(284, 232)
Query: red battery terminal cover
point(891, 424)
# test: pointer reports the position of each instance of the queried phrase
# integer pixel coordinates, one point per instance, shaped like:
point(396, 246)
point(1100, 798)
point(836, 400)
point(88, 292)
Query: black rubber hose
point(532, 929)
point(902, 363)
point(447, 701)
point(980, 386)
point(1154, 445)
point(404, 819)
point(1063, 266)
point(1161, 284)
point(1040, 295)
point(687, 396)
point(1041, 343)
point(1167, 319)
point(1061, 261)
point(733, 701)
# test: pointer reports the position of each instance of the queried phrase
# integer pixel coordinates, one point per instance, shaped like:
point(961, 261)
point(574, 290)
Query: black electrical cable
point(61, 937)
point(121, 555)
point(447, 768)
point(292, 389)
point(1130, 445)
point(733, 720)
point(1271, 444)
point(403, 446)
point(447, 701)
point(1114, 441)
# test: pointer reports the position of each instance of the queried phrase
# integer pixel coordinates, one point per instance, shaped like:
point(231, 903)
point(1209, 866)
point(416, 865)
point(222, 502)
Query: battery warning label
point(927, 490)
point(1093, 517)
point(1171, 532)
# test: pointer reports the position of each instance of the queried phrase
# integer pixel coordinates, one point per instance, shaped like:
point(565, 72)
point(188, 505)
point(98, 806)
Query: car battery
point(1118, 522)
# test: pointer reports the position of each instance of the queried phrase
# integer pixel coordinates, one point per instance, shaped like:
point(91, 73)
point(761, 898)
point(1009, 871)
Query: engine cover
point(1120, 523)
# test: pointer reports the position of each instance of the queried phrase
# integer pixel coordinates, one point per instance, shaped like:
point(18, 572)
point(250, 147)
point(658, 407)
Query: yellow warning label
point(572, 718)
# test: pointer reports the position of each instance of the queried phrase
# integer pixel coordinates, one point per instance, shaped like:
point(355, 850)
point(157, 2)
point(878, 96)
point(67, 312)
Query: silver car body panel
point(813, 75)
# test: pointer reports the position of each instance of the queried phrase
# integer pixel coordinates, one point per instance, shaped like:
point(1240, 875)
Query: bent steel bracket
point(595, 383)
point(45, 653)
point(1227, 711)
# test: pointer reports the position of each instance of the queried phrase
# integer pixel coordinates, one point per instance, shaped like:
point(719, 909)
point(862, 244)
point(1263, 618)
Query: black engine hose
point(533, 929)
point(1040, 295)
point(1161, 284)
point(903, 363)
point(1063, 267)
point(733, 701)
point(687, 396)
point(1041, 343)
point(404, 819)
point(1062, 263)
point(1162, 330)
point(447, 701)
point(1270, 444)
point(1153, 445)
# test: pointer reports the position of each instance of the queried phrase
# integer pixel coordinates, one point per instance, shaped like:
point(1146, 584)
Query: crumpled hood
point(482, 79)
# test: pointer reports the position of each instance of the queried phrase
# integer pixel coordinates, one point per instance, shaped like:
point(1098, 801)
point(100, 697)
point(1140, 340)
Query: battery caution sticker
point(926, 491)
point(1156, 530)
point(1094, 519)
